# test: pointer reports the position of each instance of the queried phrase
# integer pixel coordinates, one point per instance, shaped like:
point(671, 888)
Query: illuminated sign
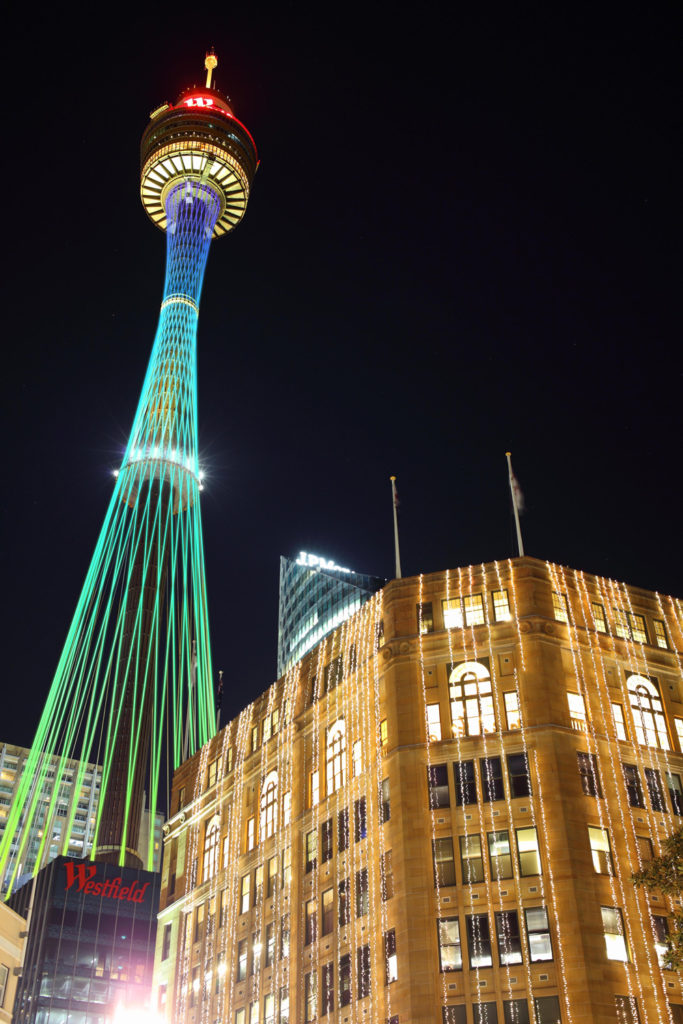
point(315, 562)
point(198, 101)
point(83, 876)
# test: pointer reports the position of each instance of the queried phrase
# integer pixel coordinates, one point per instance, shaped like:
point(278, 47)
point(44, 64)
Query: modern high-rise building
point(316, 596)
point(435, 815)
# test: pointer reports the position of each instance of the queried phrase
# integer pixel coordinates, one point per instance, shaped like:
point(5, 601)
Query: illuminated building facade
point(435, 816)
point(316, 596)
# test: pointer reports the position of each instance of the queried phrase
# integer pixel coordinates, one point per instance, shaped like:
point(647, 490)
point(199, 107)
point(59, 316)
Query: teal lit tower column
point(136, 665)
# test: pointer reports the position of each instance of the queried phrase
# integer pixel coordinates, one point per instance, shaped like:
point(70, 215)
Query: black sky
point(463, 238)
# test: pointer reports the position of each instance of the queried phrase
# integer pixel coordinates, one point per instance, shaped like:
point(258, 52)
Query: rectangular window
point(357, 759)
point(661, 639)
point(660, 928)
point(344, 903)
point(471, 859)
point(538, 934)
point(655, 790)
point(343, 830)
point(547, 1010)
point(425, 617)
point(678, 722)
point(245, 893)
point(452, 613)
point(465, 783)
point(560, 607)
point(284, 1006)
point(509, 939)
point(613, 927)
point(577, 711)
point(287, 808)
point(212, 774)
point(384, 802)
point(390, 959)
point(327, 993)
point(345, 980)
point(638, 627)
point(518, 775)
point(621, 627)
point(267, 728)
point(627, 1010)
point(286, 867)
point(673, 783)
point(254, 1011)
point(333, 674)
point(255, 953)
point(254, 738)
point(363, 962)
point(634, 789)
point(311, 922)
point(599, 618)
point(437, 785)
point(484, 1013)
point(387, 875)
point(529, 854)
point(328, 911)
point(199, 922)
point(314, 789)
point(644, 845)
point(272, 877)
point(360, 819)
point(491, 779)
point(165, 945)
point(240, 1016)
point(600, 850)
point(454, 1015)
point(269, 1009)
point(474, 610)
point(588, 773)
point(326, 832)
point(500, 856)
point(676, 1012)
point(444, 864)
point(311, 996)
point(270, 944)
point(516, 1011)
point(479, 940)
point(362, 893)
point(383, 733)
point(434, 722)
point(512, 715)
point(242, 959)
point(284, 937)
point(311, 850)
point(450, 949)
point(619, 723)
point(501, 606)
point(251, 834)
point(229, 760)
point(258, 884)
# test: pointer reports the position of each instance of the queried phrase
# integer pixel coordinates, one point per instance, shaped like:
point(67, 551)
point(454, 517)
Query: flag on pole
point(517, 502)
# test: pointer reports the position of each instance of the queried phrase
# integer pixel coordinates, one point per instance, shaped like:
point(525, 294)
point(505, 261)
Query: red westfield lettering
point(83, 876)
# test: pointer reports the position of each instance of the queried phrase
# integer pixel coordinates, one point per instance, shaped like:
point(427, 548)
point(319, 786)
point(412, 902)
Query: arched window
point(211, 837)
point(269, 806)
point(648, 713)
point(471, 699)
point(336, 756)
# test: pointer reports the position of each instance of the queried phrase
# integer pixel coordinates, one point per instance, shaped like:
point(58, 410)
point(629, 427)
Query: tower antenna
point(210, 62)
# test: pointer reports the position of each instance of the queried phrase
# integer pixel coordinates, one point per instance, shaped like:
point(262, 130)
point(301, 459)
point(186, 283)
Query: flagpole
point(397, 553)
point(511, 477)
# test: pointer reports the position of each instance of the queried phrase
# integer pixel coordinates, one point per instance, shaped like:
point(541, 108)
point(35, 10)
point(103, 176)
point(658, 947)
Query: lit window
point(465, 783)
point(269, 806)
point(284, 937)
point(673, 783)
point(328, 911)
point(240, 1016)
point(648, 712)
point(314, 789)
point(272, 876)
point(212, 774)
point(229, 760)
point(452, 613)
point(619, 723)
point(634, 790)
point(474, 610)
point(242, 959)
point(267, 728)
point(336, 756)
point(311, 996)
point(311, 850)
point(357, 759)
point(258, 885)
point(254, 738)
point(311, 922)
point(450, 949)
point(245, 893)
point(467, 611)
point(538, 934)
point(211, 838)
point(560, 607)
point(471, 859)
point(678, 723)
point(501, 606)
point(653, 780)
point(621, 626)
point(479, 940)
point(529, 854)
point(444, 864)
point(425, 618)
point(287, 808)
point(434, 722)
point(599, 618)
point(661, 639)
point(512, 709)
point(471, 699)
point(627, 1010)
point(588, 773)
point(251, 833)
point(600, 850)
point(500, 857)
point(660, 928)
point(509, 938)
point(284, 1006)
point(638, 627)
point(390, 958)
point(383, 733)
point(577, 711)
point(491, 779)
point(437, 783)
point(613, 927)
point(269, 1009)
point(518, 775)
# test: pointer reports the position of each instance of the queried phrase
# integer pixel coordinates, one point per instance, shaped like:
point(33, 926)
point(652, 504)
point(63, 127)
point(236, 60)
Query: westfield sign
point(84, 877)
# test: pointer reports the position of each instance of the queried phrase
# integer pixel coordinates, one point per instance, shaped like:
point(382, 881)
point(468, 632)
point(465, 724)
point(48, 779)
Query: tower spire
point(210, 62)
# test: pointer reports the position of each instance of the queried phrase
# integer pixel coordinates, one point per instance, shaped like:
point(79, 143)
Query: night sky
point(463, 238)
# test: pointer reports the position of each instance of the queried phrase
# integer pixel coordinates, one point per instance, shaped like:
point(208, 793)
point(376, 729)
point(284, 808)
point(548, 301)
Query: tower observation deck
point(136, 665)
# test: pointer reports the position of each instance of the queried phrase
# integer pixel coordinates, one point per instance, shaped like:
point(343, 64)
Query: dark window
point(387, 876)
point(327, 840)
point(516, 1011)
point(454, 1015)
point(676, 1012)
point(437, 784)
point(588, 773)
point(425, 617)
point(509, 940)
point(360, 819)
point(384, 802)
point(547, 1010)
point(518, 775)
point(166, 944)
point(311, 922)
point(444, 864)
point(344, 903)
point(464, 782)
point(327, 1001)
point(345, 980)
point(333, 673)
point(484, 1013)
point(491, 779)
point(362, 894)
point(479, 940)
point(343, 830)
point(363, 961)
point(627, 1010)
point(653, 781)
point(673, 783)
point(471, 860)
point(633, 788)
